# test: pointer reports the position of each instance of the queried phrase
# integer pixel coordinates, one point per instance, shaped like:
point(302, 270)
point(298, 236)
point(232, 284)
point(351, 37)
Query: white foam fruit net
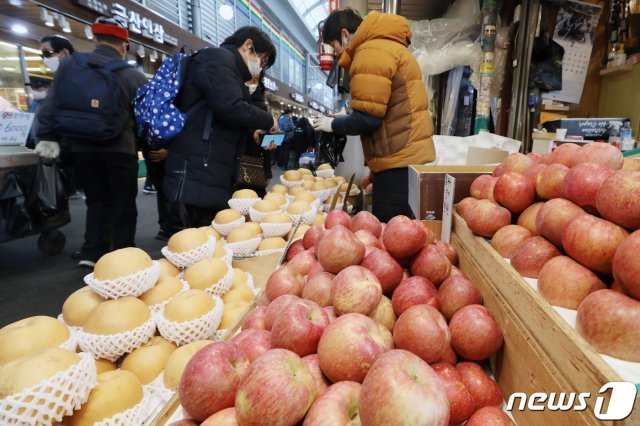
point(221, 287)
point(307, 218)
point(326, 174)
point(258, 217)
point(188, 258)
point(200, 328)
point(242, 205)
point(53, 398)
point(276, 229)
point(243, 248)
point(228, 256)
point(158, 307)
point(323, 195)
point(113, 346)
point(135, 415)
point(268, 252)
point(129, 285)
point(157, 392)
point(227, 228)
point(289, 184)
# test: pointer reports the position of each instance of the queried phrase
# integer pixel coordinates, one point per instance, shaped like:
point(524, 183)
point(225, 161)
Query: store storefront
point(23, 24)
point(280, 96)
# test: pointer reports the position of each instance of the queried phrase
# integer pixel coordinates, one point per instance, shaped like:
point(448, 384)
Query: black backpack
point(87, 101)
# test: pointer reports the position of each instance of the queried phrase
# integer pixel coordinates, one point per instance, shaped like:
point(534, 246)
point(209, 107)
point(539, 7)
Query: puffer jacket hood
point(381, 26)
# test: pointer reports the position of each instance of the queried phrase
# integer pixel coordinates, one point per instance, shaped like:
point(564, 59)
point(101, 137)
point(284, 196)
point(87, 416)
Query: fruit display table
point(542, 352)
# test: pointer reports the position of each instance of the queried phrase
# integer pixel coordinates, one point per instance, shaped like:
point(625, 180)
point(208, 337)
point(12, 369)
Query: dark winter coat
point(201, 172)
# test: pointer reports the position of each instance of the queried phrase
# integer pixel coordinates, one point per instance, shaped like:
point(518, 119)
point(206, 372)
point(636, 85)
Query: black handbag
point(252, 172)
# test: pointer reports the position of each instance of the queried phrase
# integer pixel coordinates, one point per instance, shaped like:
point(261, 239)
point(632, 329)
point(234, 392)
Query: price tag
point(15, 127)
point(447, 207)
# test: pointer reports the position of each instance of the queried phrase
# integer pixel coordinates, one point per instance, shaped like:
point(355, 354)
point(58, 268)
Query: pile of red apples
point(367, 323)
point(571, 220)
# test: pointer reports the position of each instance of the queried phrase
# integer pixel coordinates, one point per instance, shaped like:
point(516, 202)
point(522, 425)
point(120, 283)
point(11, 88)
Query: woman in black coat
point(203, 160)
point(304, 139)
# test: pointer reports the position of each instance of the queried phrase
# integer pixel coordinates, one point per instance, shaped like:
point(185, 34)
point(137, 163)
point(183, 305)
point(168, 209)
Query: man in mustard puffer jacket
point(389, 102)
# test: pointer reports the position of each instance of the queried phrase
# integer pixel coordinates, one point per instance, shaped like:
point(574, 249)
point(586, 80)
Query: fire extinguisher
point(326, 54)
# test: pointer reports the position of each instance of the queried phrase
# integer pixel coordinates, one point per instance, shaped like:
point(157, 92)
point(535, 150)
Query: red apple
point(517, 163)
point(447, 250)
point(483, 389)
point(449, 357)
point(456, 272)
point(489, 416)
point(498, 171)
point(564, 154)
point(461, 404)
point(302, 262)
point(615, 286)
point(253, 342)
point(331, 313)
point(296, 247)
point(618, 199)
point(564, 282)
point(263, 300)
point(337, 217)
point(423, 331)
point(316, 268)
point(464, 206)
point(507, 239)
point(299, 327)
point(255, 319)
point(318, 288)
point(626, 266)
point(609, 321)
point(535, 156)
point(431, 264)
point(339, 249)
point(311, 236)
point(401, 389)
point(403, 237)
point(337, 406)
point(592, 242)
point(431, 236)
point(527, 218)
point(186, 422)
point(549, 181)
point(546, 158)
point(414, 291)
point(533, 173)
point(485, 218)
point(226, 417)
point(279, 389)
point(479, 186)
point(475, 335)
point(355, 290)
point(284, 280)
point(600, 153)
point(211, 378)
point(313, 364)
point(582, 183)
point(514, 191)
point(455, 293)
point(350, 345)
point(531, 255)
point(367, 238)
point(366, 221)
point(385, 268)
point(276, 307)
point(554, 216)
point(383, 313)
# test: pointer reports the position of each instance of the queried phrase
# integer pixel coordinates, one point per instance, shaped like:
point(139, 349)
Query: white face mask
point(52, 63)
point(254, 67)
point(39, 95)
point(252, 88)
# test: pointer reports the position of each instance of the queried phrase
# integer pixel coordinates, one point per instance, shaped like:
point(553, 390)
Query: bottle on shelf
point(614, 133)
point(611, 56)
point(626, 137)
point(620, 57)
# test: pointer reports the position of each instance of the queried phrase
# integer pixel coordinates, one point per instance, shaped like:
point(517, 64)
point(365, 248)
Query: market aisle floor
point(34, 284)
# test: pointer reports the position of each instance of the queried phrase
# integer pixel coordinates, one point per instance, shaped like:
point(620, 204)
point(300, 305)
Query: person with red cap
point(90, 106)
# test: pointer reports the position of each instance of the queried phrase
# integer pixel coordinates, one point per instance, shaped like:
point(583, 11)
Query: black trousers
point(110, 182)
point(170, 217)
point(391, 194)
point(199, 216)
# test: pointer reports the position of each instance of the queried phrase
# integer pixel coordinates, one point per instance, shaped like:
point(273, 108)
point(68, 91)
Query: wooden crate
point(260, 268)
point(541, 352)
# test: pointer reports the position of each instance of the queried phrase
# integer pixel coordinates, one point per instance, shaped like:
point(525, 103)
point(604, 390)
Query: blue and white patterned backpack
point(158, 120)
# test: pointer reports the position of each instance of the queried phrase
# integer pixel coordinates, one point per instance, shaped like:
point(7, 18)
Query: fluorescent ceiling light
point(19, 29)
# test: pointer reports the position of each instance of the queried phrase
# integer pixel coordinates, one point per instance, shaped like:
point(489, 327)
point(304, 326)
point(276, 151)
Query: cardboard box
point(588, 128)
point(426, 187)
